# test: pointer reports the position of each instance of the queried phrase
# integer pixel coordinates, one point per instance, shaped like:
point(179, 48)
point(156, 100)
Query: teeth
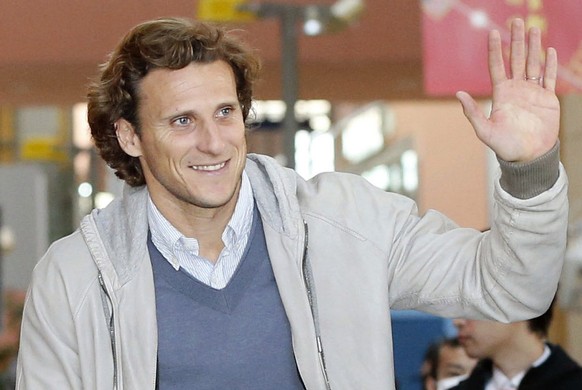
point(215, 167)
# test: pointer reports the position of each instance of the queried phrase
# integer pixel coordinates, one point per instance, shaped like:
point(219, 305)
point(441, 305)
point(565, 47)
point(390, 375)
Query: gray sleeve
point(527, 180)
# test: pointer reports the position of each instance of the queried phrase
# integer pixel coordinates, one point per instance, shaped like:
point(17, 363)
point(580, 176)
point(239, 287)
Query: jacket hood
point(117, 234)
point(272, 186)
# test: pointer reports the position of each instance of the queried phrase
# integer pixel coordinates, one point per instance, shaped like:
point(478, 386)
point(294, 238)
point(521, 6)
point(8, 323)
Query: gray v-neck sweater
point(237, 337)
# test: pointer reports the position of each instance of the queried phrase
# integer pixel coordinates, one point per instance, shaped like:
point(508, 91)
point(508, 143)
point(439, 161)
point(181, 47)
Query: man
point(447, 364)
point(516, 356)
point(218, 270)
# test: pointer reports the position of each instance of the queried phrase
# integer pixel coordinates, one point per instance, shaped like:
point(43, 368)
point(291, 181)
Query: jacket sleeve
point(509, 273)
point(48, 355)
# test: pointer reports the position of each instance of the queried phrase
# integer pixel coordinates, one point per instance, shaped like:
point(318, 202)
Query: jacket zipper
point(307, 277)
point(110, 325)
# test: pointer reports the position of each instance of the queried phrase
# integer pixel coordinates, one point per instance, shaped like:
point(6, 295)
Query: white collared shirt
point(501, 382)
point(183, 252)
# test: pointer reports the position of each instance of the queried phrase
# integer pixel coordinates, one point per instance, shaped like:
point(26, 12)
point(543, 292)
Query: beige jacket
point(343, 254)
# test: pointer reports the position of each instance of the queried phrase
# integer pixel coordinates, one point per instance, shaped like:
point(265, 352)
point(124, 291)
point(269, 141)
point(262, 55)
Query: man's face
point(483, 339)
point(192, 145)
point(454, 361)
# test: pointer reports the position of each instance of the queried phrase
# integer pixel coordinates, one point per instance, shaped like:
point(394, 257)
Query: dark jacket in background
point(558, 372)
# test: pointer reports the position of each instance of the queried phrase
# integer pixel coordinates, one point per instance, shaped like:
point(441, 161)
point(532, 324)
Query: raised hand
point(525, 116)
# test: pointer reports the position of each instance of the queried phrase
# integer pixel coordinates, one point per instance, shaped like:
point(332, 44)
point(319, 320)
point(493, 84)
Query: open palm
point(525, 115)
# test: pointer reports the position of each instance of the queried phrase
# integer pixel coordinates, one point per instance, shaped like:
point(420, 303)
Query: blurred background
point(363, 86)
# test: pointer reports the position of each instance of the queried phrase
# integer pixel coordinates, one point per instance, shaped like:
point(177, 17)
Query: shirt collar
point(543, 358)
point(501, 381)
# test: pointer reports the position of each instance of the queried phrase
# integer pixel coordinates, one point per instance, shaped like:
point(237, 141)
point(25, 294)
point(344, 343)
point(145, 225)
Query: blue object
point(413, 332)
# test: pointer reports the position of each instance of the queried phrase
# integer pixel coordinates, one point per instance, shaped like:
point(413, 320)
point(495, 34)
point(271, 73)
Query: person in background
point(447, 364)
point(219, 269)
point(429, 361)
point(516, 356)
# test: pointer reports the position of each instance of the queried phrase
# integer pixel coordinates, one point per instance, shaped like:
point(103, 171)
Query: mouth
point(209, 168)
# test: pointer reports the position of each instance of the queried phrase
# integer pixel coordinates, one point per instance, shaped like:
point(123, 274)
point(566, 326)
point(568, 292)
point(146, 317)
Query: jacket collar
point(117, 234)
point(275, 189)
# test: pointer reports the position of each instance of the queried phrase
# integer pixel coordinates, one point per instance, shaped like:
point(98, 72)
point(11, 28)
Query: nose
point(459, 322)
point(210, 138)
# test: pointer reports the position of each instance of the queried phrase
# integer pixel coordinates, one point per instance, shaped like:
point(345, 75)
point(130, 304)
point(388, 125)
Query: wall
point(452, 161)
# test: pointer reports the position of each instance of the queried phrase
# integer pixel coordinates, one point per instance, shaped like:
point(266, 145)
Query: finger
point(473, 113)
point(496, 65)
point(551, 70)
point(534, 55)
point(517, 49)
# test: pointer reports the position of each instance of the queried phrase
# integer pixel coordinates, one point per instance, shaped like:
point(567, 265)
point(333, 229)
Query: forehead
point(448, 352)
point(196, 79)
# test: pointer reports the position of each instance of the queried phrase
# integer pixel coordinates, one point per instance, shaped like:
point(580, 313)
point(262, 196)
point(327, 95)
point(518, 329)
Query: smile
point(209, 168)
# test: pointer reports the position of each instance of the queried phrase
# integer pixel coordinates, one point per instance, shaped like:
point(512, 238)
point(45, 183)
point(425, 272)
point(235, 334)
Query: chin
point(216, 201)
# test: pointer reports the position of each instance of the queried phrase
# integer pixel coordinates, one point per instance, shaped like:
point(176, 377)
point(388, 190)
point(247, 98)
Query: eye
point(225, 112)
point(182, 121)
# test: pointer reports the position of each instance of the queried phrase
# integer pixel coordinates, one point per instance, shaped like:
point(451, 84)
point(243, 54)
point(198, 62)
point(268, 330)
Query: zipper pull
point(322, 362)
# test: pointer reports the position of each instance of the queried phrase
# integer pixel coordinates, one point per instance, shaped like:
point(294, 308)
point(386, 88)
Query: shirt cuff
point(527, 180)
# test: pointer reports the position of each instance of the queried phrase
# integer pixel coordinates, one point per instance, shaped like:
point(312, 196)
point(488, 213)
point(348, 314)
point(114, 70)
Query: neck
point(519, 355)
point(208, 232)
point(205, 224)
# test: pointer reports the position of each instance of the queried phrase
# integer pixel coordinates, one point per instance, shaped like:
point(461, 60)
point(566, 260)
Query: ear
point(128, 138)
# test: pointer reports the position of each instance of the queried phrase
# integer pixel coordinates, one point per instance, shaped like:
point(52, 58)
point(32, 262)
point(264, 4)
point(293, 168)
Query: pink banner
point(455, 40)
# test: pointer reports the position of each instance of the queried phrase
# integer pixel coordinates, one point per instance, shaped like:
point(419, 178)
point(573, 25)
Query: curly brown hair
point(171, 43)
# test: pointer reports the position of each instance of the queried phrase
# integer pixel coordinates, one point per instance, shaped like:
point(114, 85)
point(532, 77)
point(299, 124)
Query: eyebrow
point(455, 365)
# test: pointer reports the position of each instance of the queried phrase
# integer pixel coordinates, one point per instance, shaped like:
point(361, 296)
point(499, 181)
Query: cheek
point(486, 339)
point(235, 133)
point(244, 142)
point(160, 156)
point(239, 143)
point(239, 138)
point(169, 147)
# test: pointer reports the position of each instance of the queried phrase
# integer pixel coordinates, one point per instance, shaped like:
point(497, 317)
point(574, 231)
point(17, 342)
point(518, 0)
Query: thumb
point(473, 112)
